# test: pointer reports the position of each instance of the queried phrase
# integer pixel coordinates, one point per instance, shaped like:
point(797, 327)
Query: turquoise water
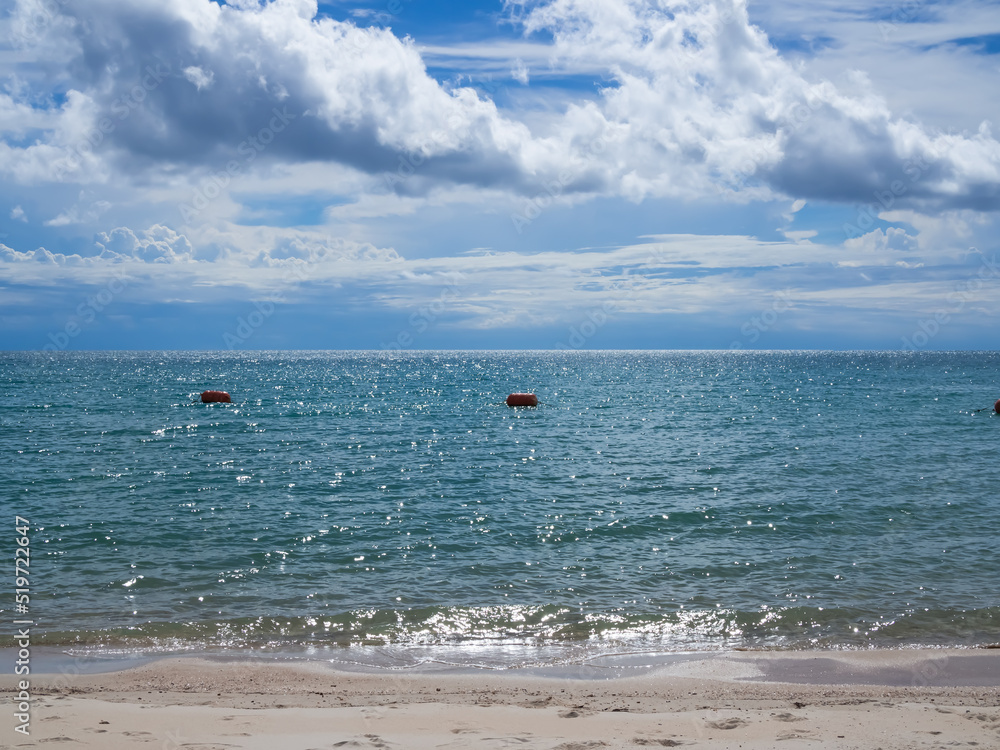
point(359, 503)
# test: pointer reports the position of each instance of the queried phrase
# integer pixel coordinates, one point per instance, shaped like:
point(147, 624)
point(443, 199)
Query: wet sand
point(872, 699)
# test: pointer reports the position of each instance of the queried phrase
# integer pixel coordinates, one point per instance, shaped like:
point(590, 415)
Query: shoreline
point(905, 698)
point(941, 666)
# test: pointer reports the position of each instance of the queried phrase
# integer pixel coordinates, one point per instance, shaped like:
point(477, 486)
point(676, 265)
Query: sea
point(387, 509)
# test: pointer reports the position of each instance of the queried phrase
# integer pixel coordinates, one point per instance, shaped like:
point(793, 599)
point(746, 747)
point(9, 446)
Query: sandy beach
point(874, 699)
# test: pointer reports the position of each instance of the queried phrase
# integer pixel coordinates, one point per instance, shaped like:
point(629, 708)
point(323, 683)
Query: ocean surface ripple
point(653, 501)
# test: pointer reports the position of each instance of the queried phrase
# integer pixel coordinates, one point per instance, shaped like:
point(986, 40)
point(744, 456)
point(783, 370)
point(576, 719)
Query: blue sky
point(543, 174)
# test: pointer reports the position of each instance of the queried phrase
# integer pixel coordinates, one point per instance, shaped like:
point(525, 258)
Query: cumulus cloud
point(698, 102)
point(242, 247)
point(39, 255)
point(719, 279)
point(190, 81)
point(684, 274)
point(704, 99)
point(158, 244)
point(893, 239)
point(211, 265)
point(64, 150)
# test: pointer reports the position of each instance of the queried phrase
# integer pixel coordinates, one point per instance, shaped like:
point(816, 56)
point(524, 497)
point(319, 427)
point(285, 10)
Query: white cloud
point(800, 235)
point(669, 274)
point(879, 241)
point(199, 77)
point(158, 244)
point(78, 215)
point(520, 72)
point(698, 103)
point(151, 105)
point(39, 255)
point(907, 48)
point(66, 153)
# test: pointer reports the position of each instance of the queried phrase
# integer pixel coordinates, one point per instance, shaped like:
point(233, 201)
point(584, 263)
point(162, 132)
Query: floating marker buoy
point(215, 397)
point(522, 399)
point(996, 406)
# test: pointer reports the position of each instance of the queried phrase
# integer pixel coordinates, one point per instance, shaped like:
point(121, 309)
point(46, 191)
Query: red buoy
point(215, 397)
point(996, 406)
point(522, 399)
